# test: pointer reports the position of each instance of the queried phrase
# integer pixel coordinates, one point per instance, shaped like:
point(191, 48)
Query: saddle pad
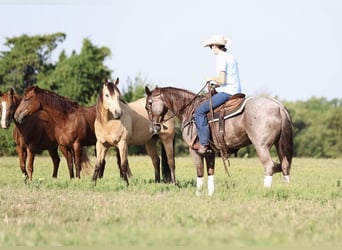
point(231, 108)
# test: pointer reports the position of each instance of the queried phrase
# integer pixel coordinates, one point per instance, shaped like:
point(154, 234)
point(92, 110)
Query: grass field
point(63, 212)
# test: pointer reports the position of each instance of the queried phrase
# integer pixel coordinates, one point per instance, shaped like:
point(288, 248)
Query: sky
point(290, 49)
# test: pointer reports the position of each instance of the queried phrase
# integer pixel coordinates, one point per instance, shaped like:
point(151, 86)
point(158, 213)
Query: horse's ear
point(147, 91)
point(117, 81)
point(11, 91)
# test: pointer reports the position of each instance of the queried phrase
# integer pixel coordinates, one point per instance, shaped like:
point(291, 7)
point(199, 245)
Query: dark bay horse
point(35, 135)
point(264, 122)
point(120, 124)
point(73, 125)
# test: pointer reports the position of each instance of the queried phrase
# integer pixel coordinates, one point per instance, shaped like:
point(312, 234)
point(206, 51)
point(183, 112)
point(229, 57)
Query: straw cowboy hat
point(217, 40)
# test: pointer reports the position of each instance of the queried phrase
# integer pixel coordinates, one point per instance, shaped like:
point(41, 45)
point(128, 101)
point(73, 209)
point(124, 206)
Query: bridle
point(156, 120)
point(160, 120)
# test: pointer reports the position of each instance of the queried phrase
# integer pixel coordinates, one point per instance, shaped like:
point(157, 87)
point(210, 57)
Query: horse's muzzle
point(19, 118)
point(5, 124)
point(155, 128)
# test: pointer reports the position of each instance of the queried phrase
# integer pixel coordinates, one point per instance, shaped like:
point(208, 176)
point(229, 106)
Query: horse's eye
point(106, 95)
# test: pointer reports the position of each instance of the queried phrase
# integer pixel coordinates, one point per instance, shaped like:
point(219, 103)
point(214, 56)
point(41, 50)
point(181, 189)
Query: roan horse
point(264, 122)
point(73, 125)
point(31, 137)
point(119, 124)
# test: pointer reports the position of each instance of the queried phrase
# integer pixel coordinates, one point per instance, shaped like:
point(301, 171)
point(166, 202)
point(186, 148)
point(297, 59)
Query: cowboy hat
point(217, 40)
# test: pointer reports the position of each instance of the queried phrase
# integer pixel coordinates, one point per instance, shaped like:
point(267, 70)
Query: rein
point(182, 109)
point(214, 131)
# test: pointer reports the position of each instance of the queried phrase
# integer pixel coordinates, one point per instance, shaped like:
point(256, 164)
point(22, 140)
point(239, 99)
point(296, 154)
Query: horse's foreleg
point(30, 160)
point(101, 151)
point(210, 161)
point(118, 161)
point(151, 149)
point(169, 149)
point(123, 151)
point(198, 161)
point(22, 160)
point(102, 168)
point(69, 158)
point(55, 160)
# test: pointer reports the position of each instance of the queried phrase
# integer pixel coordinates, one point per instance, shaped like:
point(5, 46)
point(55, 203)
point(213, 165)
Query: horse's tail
point(86, 167)
point(285, 144)
point(166, 172)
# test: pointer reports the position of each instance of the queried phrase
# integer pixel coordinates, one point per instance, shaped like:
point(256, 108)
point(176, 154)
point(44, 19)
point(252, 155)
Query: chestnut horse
point(263, 122)
point(31, 137)
point(73, 125)
point(119, 124)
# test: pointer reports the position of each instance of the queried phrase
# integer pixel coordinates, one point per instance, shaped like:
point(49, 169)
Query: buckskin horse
point(262, 122)
point(120, 124)
point(32, 137)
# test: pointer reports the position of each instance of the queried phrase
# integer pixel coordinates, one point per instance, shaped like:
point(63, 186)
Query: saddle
point(232, 107)
point(228, 108)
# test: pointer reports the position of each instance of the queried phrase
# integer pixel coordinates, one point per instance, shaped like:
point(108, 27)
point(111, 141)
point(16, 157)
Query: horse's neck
point(104, 115)
point(17, 100)
point(182, 108)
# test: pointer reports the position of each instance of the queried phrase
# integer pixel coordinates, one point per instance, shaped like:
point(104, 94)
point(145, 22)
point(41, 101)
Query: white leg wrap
point(199, 186)
point(286, 179)
point(211, 185)
point(268, 181)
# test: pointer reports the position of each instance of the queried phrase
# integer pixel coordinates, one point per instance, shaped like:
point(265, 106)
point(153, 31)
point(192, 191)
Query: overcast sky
point(291, 49)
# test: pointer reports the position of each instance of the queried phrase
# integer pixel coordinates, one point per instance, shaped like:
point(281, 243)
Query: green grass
point(54, 212)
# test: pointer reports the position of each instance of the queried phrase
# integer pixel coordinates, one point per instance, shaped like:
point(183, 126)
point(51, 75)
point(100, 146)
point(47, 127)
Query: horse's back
point(139, 107)
point(262, 117)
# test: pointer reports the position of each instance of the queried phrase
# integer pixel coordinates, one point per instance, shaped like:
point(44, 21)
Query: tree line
point(317, 122)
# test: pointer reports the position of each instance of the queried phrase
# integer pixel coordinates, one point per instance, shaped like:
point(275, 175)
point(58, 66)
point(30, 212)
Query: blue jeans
point(202, 126)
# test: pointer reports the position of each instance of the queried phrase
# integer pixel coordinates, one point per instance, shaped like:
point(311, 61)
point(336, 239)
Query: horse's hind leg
point(151, 149)
point(55, 160)
point(285, 165)
point(169, 150)
point(269, 166)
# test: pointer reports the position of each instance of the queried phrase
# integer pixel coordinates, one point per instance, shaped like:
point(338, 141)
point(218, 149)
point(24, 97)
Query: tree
point(27, 58)
point(79, 76)
point(136, 89)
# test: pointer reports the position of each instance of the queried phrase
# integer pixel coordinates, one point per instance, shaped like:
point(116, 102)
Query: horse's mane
point(178, 97)
point(54, 100)
point(172, 90)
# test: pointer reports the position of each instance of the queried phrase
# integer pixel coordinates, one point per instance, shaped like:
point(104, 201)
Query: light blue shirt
point(226, 62)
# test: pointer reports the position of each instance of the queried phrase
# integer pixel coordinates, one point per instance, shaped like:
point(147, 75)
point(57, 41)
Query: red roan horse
point(31, 137)
point(263, 122)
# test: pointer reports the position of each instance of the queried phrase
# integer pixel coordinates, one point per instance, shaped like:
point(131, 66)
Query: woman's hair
point(222, 47)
